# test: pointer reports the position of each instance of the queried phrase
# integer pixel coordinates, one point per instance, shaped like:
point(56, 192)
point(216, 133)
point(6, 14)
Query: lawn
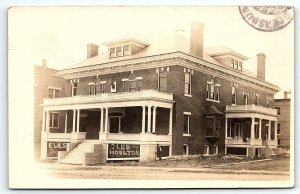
point(279, 163)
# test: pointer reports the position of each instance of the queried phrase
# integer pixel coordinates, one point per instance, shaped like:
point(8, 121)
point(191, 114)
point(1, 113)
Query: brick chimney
point(261, 66)
point(196, 42)
point(92, 50)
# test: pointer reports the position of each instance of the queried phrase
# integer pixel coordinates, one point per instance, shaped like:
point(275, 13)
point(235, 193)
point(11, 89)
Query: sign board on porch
point(125, 151)
point(53, 147)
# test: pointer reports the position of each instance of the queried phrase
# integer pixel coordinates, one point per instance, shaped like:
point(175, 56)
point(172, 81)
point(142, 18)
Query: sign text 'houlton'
point(123, 151)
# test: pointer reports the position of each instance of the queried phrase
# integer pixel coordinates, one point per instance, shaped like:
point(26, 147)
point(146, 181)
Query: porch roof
point(240, 111)
point(120, 99)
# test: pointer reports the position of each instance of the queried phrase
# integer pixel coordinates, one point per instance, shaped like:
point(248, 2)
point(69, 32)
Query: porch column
point(66, 122)
point(269, 130)
point(252, 127)
point(143, 119)
point(149, 120)
point(78, 120)
point(106, 120)
point(74, 120)
point(171, 121)
point(226, 126)
point(275, 133)
point(47, 121)
point(154, 120)
point(101, 120)
point(43, 121)
point(259, 129)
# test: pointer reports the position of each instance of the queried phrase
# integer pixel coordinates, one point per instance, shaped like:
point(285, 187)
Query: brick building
point(165, 93)
point(47, 84)
point(283, 107)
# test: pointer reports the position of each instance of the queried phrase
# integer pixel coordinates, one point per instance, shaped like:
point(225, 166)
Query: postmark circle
point(267, 18)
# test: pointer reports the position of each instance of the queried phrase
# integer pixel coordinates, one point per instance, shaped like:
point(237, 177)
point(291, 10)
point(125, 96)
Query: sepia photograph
point(151, 97)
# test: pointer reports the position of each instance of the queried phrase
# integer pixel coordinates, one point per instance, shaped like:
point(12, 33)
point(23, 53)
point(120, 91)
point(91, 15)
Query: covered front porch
point(143, 117)
point(250, 126)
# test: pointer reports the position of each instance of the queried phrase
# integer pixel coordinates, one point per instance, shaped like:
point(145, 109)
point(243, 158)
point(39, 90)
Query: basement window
point(186, 149)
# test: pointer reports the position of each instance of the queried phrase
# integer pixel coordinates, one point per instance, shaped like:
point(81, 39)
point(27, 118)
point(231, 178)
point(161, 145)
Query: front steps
point(77, 155)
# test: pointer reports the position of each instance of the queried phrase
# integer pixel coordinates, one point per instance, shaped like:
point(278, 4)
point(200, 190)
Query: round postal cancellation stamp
point(267, 18)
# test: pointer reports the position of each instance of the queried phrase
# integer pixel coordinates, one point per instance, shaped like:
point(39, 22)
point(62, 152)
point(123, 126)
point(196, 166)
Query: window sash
point(92, 89)
point(74, 89)
point(213, 92)
point(54, 120)
point(186, 127)
point(233, 92)
point(187, 83)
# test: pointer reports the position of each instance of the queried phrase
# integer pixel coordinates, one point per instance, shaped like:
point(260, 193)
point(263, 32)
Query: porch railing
point(251, 107)
point(109, 97)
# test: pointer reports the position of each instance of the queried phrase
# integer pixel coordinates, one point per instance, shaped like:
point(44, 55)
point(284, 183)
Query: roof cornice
point(154, 61)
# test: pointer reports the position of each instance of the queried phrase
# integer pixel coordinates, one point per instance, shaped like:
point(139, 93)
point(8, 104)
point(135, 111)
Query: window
point(53, 93)
point(126, 50)
point(240, 66)
point(54, 120)
point(186, 149)
point(188, 84)
point(233, 94)
point(125, 85)
point(135, 84)
point(206, 150)
point(256, 131)
point(237, 64)
point(215, 150)
point(74, 89)
point(256, 96)
point(92, 89)
point(119, 51)
point(139, 83)
point(245, 99)
point(278, 110)
point(112, 52)
point(213, 91)
point(269, 102)
point(237, 130)
point(212, 126)
point(100, 88)
point(162, 81)
point(278, 128)
point(115, 124)
point(187, 123)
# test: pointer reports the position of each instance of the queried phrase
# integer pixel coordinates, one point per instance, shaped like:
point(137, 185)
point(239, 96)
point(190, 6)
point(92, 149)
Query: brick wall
point(197, 104)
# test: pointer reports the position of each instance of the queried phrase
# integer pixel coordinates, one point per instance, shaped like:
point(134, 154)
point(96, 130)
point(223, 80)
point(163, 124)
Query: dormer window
point(126, 50)
point(237, 64)
point(119, 51)
point(112, 52)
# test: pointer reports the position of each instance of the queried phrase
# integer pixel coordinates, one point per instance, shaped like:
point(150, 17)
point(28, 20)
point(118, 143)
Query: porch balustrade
point(251, 107)
point(243, 141)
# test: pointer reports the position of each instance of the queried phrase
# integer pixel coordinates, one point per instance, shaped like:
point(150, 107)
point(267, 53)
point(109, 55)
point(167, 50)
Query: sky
point(60, 34)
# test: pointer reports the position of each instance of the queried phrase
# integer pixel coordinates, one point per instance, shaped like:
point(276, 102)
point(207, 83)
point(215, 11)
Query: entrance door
point(115, 124)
